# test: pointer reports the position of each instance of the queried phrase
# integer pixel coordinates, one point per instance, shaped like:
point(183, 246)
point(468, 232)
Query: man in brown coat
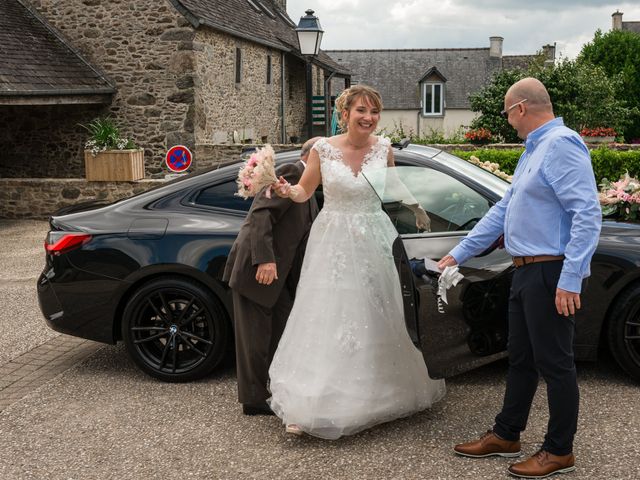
point(263, 269)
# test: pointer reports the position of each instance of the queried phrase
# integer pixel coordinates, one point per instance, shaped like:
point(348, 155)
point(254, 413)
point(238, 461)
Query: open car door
point(472, 328)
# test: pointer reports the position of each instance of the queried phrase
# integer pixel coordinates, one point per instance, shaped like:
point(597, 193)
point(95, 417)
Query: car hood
point(620, 228)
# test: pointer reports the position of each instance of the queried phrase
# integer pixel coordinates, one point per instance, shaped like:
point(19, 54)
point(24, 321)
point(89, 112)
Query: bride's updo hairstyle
point(348, 97)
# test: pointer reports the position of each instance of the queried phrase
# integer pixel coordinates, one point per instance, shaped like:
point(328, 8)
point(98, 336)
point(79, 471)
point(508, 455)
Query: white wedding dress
point(345, 361)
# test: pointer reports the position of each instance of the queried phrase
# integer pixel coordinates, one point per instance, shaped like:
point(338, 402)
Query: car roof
point(412, 154)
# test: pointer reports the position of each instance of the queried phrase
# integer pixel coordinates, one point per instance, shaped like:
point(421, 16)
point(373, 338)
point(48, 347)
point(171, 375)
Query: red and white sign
point(178, 158)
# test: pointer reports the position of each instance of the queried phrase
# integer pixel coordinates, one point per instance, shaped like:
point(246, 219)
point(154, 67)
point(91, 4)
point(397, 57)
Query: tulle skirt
point(345, 361)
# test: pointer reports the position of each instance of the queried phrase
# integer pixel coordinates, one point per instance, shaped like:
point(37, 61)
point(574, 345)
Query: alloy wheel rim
point(173, 331)
point(632, 333)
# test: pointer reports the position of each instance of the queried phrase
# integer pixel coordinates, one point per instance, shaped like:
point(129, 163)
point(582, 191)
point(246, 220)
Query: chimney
point(616, 23)
point(549, 52)
point(495, 47)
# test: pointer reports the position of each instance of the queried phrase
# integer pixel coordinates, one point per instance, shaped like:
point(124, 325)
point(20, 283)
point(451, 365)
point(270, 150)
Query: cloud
point(525, 26)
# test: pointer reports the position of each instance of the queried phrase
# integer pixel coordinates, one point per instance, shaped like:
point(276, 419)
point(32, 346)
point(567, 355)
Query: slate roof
point(36, 60)
point(396, 73)
point(266, 24)
point(509, 62)
point(631, 26)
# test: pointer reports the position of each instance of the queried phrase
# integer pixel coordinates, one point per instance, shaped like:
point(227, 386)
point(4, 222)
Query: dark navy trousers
point(540, 344)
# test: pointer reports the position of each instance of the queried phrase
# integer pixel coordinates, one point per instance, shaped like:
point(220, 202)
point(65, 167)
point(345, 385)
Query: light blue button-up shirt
point(551, 207)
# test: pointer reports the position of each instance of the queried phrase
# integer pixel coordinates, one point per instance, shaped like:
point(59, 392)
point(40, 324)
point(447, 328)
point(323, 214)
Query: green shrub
point(104, 134)
point(612, 164)
point(607, 163)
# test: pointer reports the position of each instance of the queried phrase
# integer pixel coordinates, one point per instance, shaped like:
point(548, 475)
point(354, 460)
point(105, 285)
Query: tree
point(581, 93)
point(618, 53)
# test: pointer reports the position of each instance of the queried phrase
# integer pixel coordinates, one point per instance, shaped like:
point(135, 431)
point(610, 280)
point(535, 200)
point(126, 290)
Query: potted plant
point(110, 157)
point(598, 135)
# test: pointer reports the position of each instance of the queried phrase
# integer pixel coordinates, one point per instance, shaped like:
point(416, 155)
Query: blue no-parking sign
point(178, 158)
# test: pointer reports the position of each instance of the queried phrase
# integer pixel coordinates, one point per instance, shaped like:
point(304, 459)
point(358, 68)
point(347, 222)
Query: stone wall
point(145, 48)
point(251, 107)
point(209, 155)
point(295, 111)
point(175, 85)
point(43, 141)
point(40, 197)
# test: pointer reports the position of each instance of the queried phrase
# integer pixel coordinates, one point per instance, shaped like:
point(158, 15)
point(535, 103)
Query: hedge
point(607, 163)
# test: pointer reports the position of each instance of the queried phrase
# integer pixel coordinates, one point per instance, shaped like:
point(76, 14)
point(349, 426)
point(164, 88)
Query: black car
point(148, 270)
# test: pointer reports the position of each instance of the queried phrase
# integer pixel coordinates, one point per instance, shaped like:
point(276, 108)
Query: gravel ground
point(21, 261)
point(104, 419)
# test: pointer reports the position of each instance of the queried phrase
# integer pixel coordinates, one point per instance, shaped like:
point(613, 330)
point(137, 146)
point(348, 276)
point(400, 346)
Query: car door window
point(223, 195)
point(450, 204)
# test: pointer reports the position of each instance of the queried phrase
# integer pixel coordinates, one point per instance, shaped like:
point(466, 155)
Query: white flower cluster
point(95, 148)
point(490, 167)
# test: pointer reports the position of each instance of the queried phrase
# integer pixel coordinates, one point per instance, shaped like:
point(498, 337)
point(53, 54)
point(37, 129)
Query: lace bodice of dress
point(343, 190)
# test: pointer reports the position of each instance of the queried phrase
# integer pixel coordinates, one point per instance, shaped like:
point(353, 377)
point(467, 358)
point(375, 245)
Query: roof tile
point(35, 60)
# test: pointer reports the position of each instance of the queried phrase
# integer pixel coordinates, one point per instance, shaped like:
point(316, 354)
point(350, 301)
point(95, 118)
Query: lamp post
point(309, 34)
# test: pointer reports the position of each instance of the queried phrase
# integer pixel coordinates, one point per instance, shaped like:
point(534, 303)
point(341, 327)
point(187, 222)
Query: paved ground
point(101, 418)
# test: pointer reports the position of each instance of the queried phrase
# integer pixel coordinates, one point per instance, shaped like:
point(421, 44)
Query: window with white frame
point(433, 99)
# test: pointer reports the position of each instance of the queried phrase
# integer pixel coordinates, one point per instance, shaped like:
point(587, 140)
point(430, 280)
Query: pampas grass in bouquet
point(258, 172)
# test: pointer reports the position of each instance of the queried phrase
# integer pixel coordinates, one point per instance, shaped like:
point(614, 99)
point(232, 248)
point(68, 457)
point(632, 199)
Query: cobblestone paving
point(29, 371)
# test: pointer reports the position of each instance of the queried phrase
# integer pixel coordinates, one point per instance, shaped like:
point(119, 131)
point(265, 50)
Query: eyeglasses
point(505, 113)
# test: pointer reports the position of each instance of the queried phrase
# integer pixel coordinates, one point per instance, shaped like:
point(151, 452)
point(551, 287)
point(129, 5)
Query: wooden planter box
point(114, 165)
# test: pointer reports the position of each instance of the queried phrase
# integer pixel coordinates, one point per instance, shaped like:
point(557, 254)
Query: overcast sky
point(525, 26)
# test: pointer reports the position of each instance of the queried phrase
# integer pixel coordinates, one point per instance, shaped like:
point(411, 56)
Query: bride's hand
point(423, 222)
point(282, 188)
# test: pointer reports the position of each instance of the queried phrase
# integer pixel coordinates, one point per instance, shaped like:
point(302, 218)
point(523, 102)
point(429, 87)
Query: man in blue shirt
point(550, 218)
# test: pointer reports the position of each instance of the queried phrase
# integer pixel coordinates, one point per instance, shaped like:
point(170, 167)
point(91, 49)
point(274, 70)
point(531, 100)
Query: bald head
point(527, 106)
point(306, 147)
point(533, 91)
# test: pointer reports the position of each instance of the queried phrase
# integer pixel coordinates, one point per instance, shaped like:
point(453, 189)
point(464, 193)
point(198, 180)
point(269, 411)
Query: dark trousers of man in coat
point(275, 232)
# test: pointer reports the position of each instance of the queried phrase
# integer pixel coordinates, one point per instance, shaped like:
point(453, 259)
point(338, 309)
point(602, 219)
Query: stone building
point(191, 72)
point(427, 90)
point(618, 24)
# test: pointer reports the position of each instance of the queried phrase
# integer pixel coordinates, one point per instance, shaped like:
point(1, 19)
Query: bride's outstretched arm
point(308, 183)
point(402, 193)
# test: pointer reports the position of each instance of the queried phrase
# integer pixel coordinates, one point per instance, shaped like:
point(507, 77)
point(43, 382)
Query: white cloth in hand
point(449, 277)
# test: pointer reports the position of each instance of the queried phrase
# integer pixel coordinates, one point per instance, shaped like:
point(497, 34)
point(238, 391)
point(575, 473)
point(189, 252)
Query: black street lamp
point(309, 34)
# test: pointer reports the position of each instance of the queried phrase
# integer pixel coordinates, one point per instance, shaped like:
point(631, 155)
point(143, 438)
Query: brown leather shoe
point(489, 445)
point(543, 464)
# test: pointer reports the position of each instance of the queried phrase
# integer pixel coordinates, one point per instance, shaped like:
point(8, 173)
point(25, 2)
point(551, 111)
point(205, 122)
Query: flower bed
point(598, 132)
point(479, 136)
point(598, 135)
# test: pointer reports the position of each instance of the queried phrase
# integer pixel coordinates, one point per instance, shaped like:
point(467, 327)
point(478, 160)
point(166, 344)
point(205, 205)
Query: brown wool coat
point(275, 230)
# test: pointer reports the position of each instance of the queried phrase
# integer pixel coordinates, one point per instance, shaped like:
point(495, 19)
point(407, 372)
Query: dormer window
point(432, 99)
point(432, 91)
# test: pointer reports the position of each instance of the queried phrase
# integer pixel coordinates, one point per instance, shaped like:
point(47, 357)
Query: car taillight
point(58, 243)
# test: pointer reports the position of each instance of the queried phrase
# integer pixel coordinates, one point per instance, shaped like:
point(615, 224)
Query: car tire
point(175, 329)
point(624, 323)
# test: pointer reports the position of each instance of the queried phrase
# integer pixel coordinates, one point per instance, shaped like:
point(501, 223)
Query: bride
point(345, 361)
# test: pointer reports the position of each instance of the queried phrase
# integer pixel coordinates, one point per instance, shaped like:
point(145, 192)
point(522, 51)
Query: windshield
point(450, 204)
